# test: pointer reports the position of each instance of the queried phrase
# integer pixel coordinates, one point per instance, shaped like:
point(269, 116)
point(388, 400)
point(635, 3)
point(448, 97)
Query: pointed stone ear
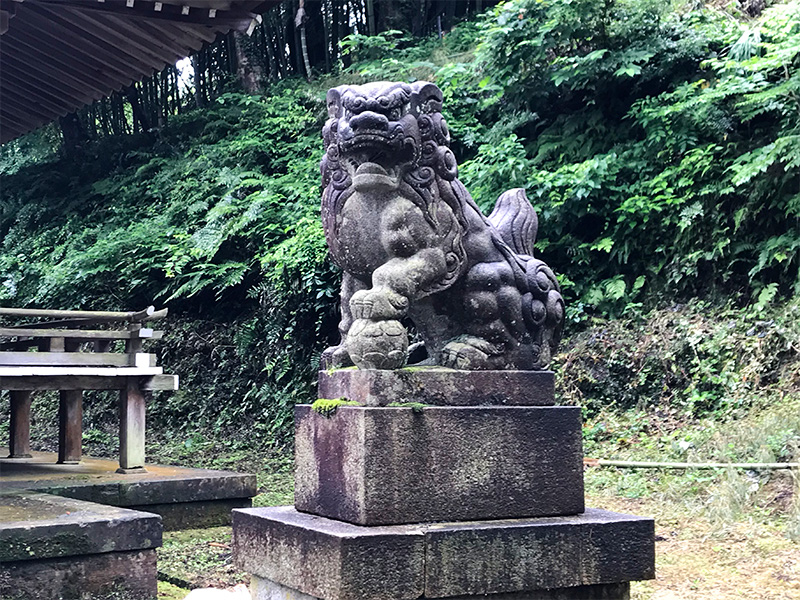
point(334, 100)
point(427, 97)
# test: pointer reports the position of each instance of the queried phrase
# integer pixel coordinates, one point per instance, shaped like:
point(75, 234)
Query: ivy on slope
point(216, 216)
point(659, 143)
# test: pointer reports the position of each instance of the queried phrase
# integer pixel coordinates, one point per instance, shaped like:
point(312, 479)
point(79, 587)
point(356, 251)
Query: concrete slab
point(36, 525)
point(53, 547)
point(387, 466)
point(599, 551)
point(439, 386)
point(184, 497)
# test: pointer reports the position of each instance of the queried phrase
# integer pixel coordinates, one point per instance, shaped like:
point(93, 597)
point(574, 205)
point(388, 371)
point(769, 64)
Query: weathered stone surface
point(376, 466)
point(597, 552)
point(465, 559)
point(329, 559)
point(413, 244)
point(264, 589)
point(439, 386)
point(195, 515)
point(186, 498)
point(128, 575)
point(34, 525)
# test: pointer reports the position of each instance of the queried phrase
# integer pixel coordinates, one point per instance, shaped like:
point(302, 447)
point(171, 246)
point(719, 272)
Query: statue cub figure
point(413, 244)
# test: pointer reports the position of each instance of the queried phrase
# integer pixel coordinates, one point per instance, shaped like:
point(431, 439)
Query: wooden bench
point(78, 352)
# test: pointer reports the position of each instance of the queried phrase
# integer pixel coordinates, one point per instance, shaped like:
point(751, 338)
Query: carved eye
point(358, 104)
point(395, 114)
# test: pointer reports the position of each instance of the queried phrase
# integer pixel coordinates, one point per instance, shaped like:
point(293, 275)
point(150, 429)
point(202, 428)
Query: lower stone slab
point(264, 589)
point(333, 560)
point(129, 575)
point(37, 526)
point(195, 515)
point(185, 498)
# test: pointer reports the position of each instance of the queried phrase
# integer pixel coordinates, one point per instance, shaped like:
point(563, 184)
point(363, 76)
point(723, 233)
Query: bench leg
point(19, 443)
point(70, 427)
point(131, 428)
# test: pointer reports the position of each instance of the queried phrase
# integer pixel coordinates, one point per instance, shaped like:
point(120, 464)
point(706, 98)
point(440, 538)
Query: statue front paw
point(470, 353)
point(335, 357)
point(378, 304)
point(377, 344)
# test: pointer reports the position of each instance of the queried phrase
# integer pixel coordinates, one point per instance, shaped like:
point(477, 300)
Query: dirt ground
point(696, 559)
point(748, 559)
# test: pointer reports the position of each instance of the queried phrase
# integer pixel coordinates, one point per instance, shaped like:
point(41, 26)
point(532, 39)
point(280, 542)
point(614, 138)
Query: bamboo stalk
point(632, 464)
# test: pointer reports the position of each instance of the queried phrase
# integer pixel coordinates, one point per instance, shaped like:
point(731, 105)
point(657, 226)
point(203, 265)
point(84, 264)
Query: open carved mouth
point(368, 140)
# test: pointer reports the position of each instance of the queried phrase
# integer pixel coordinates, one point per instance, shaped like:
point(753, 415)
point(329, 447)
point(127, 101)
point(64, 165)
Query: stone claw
point(335, 357)
point(469, 353)
point(378, 304)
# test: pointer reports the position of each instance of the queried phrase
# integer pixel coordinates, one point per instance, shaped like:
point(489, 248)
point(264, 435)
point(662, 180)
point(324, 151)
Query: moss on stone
point(327, 406)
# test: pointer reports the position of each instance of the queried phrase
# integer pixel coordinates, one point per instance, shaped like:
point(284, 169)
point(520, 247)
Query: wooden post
point(131, 428)
point(19, 445)
point(70, 431)
point(70, 413)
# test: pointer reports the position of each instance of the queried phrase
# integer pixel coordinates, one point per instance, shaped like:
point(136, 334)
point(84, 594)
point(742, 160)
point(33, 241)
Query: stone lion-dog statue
point(414, 245)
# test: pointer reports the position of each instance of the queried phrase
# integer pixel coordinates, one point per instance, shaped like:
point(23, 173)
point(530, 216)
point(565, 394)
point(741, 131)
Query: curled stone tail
point(516, 221)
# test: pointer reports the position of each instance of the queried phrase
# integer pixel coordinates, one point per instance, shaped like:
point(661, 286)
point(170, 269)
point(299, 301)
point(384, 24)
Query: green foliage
point(662, 151)
point(659, 143)
point(693, 360)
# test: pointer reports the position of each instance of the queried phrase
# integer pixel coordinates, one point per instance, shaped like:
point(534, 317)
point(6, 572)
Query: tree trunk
point(138, 113)
point(73, 134)
point(248, 66)
point(300, 23)
point(197, 65)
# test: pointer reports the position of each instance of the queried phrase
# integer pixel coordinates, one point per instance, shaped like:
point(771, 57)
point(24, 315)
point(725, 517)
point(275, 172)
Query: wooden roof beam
point(42, 72)
point(87, 76)
point(190, 36)
point(16, 122)
point(13, 106)
point(233, 18)
point(51, 29)
point(124, 36)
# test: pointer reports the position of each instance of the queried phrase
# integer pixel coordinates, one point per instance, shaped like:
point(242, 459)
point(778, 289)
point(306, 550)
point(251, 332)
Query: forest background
point(659, 142)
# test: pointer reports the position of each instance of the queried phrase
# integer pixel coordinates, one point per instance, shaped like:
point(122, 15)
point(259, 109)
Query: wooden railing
point(72, 351)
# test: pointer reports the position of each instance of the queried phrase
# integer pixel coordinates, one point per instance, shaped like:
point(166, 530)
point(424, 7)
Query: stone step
point(289, 552)
point(53, 547)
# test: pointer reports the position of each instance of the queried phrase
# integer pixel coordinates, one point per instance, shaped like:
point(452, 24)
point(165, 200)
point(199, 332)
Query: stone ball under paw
point(377, 344)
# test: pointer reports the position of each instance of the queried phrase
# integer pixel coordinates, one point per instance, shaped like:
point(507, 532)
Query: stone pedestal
point(387, 466)
point(484, 497)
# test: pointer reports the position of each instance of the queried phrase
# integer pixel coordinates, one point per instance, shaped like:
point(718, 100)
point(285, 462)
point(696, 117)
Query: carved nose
point(370, 121)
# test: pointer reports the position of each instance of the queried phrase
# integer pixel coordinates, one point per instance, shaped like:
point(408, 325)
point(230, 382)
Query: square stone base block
point(332, 560)
point(54, 548)
point(264, 589)
point(387, 466)
point(439, 386)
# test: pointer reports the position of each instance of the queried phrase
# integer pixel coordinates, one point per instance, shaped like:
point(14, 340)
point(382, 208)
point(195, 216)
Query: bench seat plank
point(88, 334)
point(84, 382)
point(75, 359)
